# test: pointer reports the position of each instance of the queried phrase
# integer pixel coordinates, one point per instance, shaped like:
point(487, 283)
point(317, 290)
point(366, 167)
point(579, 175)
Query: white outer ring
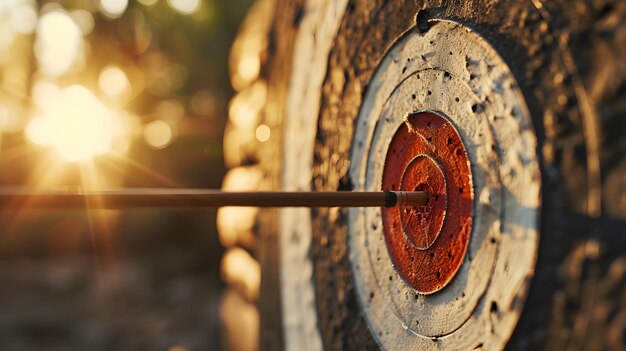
point(316, 34)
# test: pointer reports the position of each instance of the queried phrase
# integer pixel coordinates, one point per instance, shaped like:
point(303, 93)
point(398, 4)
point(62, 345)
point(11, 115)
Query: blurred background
point(106, 94)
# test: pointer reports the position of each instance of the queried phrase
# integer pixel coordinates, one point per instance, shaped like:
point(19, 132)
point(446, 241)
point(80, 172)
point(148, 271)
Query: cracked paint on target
point(427, 244)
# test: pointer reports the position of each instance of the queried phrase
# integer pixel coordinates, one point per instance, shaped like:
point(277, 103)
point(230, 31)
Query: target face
point(351, 88)
point(443, 113)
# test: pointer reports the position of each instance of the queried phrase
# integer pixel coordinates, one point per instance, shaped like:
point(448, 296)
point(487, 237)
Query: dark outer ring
point(430, 269)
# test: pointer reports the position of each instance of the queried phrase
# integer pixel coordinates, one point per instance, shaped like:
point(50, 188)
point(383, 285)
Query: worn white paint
point(314, 40)
point(452, 63)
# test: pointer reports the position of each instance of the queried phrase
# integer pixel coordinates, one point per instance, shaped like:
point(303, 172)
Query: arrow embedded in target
point(200, 198)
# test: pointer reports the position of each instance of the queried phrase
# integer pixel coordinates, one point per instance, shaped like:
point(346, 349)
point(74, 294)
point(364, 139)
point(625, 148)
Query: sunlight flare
point(74, 122)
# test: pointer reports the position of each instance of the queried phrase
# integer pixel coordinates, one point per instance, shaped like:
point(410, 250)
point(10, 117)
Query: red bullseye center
point(421, 225)
point(427, 244)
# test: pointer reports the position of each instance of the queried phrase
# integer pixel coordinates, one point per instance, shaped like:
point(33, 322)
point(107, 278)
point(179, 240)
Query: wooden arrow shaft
point(201, 198)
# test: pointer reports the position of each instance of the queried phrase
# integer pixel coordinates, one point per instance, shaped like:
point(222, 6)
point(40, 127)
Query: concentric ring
point(422, 225)
point(454, 73)
point(426, 153)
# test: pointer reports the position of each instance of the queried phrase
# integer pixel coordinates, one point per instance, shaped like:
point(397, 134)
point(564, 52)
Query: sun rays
point(51, 172)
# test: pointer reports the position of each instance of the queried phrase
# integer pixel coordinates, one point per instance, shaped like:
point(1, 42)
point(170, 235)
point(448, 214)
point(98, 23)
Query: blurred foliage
point(154, 72)
point(174, 59)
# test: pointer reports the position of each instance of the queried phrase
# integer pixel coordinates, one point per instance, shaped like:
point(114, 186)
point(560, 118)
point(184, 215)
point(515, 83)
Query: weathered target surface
point(453, 73)
point(318, 61)
point(427, 244)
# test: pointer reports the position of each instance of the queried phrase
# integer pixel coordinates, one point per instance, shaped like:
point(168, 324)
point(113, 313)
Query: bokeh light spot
point(113, 81)
point(113, 8)
point(241, 269)
point(59, 43)
point(158, 134)
point(185, 7)
point(263, 133)
point(24, 18)
point(84, 20)
point(249, 67)
point(245, 108)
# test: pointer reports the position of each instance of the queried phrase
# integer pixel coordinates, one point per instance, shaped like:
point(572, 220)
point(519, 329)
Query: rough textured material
point(427, 154)
point(568, 60)
point(452, 70)
point(318, 22)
